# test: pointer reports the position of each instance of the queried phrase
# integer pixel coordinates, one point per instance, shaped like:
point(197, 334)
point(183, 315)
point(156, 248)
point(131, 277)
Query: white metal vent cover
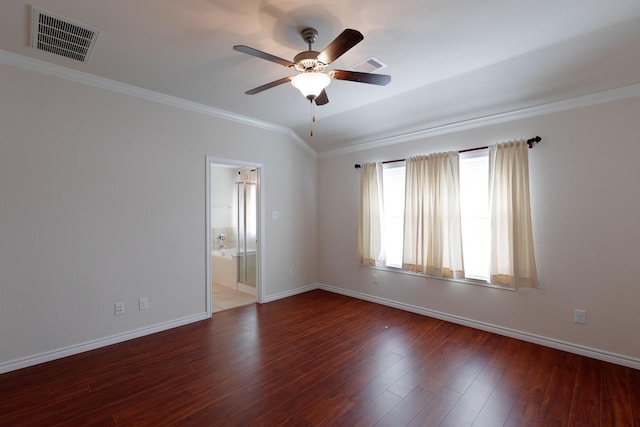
point(369, 65)
point(61, 36)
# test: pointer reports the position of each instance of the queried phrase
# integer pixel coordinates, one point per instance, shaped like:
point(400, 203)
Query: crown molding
point(43, 67)
point(59, 71)
point(523, 113)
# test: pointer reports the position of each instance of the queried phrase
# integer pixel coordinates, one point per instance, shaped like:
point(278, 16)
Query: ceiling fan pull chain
point(313, 118)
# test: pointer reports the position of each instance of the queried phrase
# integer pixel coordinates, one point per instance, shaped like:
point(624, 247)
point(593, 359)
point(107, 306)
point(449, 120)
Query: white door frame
point(212, 160)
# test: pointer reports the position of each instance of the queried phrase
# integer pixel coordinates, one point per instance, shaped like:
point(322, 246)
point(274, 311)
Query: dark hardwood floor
point(322, 359)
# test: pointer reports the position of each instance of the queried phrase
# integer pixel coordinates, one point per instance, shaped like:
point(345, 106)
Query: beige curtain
point(512, 257)
point(432, 230)
point(370, 249)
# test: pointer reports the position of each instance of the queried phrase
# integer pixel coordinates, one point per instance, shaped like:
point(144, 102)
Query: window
point(474, 206)
point(393, 220)
point(474, 212)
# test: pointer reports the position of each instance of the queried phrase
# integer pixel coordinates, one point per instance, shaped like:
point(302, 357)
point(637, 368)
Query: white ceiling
point(450, 60)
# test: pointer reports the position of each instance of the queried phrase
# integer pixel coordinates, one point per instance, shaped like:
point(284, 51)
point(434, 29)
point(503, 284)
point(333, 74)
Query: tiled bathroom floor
point(224, 298)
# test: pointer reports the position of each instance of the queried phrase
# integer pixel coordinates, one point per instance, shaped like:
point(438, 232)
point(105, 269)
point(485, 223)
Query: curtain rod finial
point(357, 166)
point(532, 140)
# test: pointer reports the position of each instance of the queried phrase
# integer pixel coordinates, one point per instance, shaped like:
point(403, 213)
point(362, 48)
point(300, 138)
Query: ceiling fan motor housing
point(308, 61)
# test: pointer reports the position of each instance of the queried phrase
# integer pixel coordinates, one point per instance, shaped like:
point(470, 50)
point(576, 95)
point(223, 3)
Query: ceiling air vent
point(61, 36)
point(369, 65)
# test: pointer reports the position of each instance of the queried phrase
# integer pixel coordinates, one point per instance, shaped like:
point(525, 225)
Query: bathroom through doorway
point(234, 219)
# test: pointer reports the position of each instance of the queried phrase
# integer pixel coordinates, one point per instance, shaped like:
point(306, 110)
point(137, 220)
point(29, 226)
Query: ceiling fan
point(311, 79)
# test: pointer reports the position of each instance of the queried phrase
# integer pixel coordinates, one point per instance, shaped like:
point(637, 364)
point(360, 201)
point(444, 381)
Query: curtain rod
point(530, 141)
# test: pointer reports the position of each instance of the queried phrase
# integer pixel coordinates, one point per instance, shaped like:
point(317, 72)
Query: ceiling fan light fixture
point(311, 84)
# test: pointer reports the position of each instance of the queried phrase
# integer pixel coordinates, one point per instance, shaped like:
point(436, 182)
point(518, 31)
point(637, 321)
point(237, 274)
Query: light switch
point(275, 214)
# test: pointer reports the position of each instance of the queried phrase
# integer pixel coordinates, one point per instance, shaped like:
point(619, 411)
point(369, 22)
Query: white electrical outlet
point(580, 316)
point(118, 308)
point(291, 272)
point(374, 279)
point(143, 303)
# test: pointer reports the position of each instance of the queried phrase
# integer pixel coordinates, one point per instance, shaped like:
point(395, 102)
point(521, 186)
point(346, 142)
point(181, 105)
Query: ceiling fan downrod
point(309, 35)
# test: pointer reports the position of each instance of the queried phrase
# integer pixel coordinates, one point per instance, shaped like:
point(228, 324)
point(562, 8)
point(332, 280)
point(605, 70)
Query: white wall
point(586, 222)
point(102, 199)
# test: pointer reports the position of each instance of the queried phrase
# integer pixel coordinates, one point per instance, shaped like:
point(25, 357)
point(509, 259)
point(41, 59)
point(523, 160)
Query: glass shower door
point(247, 232)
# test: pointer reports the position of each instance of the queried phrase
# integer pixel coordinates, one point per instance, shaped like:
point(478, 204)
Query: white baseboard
point(290, 293)
point(59, 353)
point(48, 356)
point(606, 356)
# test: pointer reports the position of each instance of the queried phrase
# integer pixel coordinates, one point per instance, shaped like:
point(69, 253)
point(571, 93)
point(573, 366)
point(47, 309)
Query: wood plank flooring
point(322, 359)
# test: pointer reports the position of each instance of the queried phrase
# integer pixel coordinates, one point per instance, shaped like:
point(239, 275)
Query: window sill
point(473, 282)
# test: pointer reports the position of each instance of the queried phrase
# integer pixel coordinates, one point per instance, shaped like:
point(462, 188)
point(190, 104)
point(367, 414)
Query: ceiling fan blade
point(356, 76)
point(345, 41)
point(262, 55)
point(322, 99)
point(268, 85)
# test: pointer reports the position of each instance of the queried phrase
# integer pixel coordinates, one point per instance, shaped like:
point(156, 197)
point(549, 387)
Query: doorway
point(234, 219)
